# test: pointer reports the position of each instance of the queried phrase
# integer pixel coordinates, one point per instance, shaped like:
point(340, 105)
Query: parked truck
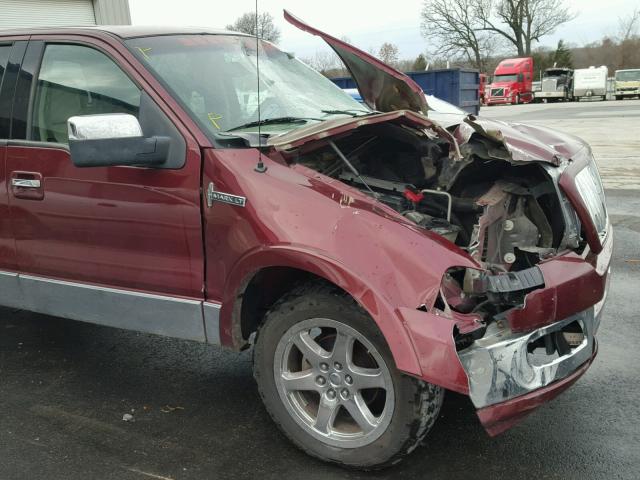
point(590, 82)
point(512, 82)
point(556, 84)
point(627, 83)
point(371, 257)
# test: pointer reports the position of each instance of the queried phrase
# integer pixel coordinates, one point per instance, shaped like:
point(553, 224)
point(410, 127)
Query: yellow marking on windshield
point(213, 118)
point(144, 51)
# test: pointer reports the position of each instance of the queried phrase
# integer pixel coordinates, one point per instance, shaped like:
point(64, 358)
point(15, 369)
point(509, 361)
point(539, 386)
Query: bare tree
point(389, 53)
point(322, 61)
point(246, 23)
point(628, 26)
point(455, 30)
point(522, 22)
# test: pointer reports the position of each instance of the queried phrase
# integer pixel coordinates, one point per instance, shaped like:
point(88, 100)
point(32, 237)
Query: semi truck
point(627, 83)
point(556, 84)
point(512, 82)
point(590, 82)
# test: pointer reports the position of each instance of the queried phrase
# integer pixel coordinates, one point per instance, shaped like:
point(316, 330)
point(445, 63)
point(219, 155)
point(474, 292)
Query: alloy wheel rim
point(334, 383)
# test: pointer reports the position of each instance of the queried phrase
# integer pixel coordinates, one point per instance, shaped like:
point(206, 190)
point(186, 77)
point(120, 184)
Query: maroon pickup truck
point(371, 255)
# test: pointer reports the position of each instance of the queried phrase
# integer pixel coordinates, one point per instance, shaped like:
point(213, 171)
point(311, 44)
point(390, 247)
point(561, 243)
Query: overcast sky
point(367, 23)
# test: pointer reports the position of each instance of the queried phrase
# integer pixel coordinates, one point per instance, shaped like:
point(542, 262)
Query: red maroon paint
point(563, 275)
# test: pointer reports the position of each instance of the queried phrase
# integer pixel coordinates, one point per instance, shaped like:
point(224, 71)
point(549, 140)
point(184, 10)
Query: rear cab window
point(4, 58)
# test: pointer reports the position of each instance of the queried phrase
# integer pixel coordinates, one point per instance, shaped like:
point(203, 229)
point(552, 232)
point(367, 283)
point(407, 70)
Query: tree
point(321, 61)
point(419, 64)
point(246, 23)
point(561, 57)
point(628, 34)
point(628, 26)
point(388, 53)
point(455, 30)
point(541, 61)
point(522, 22)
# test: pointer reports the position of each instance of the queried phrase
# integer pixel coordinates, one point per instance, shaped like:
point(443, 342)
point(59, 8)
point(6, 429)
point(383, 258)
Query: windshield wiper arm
point(346, 112)
point(273, 121)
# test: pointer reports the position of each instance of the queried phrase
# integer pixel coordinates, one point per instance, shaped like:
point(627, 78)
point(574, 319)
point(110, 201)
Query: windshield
point(555, 73)
point(505, 78)
point(215, 79)
point(628, 76)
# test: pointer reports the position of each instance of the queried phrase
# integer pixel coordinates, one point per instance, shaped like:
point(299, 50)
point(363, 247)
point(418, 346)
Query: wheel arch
point(263, 276)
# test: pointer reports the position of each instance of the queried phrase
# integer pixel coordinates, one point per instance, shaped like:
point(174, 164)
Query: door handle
point(25, 183)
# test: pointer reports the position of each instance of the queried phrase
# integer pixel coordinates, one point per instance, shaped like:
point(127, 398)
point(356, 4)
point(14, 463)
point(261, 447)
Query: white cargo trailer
point(590, 82)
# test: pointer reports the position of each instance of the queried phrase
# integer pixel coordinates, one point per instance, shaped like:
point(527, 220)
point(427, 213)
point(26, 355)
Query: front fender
point(387, 318)
point(294, 217)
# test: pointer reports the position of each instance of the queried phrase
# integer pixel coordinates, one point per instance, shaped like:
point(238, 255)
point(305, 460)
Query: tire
point(316, 315)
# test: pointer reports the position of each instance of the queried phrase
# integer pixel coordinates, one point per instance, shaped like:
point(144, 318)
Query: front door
point(11, 53)
point(109, 228)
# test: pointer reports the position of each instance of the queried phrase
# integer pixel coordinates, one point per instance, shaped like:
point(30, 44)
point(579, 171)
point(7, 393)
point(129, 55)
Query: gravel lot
point(65, 386)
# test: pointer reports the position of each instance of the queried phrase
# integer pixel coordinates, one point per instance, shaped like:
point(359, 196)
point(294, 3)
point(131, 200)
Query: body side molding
point(112, 307)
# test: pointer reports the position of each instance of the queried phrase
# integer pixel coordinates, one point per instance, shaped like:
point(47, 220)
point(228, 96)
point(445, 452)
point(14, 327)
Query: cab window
point(4, 57)
point(78, 80)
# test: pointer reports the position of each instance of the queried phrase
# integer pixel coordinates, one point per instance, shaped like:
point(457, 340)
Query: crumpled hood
point(382, 87)
point(386, 89)
point(525, 143)
point(333, 127)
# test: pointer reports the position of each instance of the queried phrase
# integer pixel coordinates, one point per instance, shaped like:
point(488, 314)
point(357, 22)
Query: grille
point(497, 92)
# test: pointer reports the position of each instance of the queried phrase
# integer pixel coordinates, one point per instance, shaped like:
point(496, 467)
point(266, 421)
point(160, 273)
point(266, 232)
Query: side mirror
point(113, 139)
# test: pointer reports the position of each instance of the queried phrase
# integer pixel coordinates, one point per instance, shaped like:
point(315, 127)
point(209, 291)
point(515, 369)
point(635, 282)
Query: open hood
point(382, 87)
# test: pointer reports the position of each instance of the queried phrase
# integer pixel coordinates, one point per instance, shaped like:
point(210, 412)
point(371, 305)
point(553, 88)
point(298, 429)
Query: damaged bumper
point(526, 360)
point(508, 377)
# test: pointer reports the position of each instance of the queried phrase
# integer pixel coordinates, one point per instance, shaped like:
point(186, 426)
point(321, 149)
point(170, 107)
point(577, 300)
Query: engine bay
point(507, 216)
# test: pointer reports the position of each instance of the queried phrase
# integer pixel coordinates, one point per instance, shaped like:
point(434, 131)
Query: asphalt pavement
point(65, 386)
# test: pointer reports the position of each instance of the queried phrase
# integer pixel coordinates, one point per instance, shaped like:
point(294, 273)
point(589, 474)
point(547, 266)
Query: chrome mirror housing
point(103, 126)
point(114, 139)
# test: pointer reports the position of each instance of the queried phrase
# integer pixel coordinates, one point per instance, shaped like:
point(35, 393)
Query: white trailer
point(590, 82)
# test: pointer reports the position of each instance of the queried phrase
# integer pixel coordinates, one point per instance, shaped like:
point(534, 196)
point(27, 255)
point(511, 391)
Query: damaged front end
point(524, 203)
point(517, 329)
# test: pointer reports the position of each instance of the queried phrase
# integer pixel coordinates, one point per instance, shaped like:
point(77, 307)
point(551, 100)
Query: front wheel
point(328, 380)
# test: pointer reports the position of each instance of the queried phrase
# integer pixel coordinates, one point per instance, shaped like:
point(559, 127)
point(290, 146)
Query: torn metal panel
point(524, 143)
point(382, 87)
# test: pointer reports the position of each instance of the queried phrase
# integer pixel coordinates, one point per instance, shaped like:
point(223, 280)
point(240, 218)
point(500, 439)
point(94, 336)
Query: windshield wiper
point(273, 121)
point(346, 112)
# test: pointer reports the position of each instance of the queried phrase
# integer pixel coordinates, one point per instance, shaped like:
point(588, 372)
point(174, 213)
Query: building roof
point(122, 31)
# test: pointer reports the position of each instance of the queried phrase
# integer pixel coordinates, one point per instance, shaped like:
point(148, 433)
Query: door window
point(78, 80)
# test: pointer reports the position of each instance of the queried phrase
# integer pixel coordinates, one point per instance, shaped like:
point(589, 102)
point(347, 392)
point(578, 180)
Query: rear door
point(126, 237)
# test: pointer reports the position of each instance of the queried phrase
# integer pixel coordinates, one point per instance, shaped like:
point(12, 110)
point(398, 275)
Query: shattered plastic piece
point(127, 417)
point(169, 409)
